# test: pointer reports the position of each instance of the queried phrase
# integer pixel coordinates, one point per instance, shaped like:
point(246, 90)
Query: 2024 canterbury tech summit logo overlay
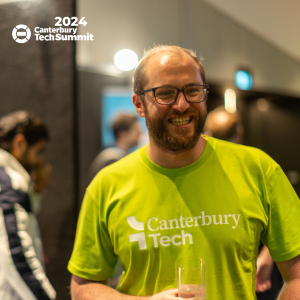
point(21, 34)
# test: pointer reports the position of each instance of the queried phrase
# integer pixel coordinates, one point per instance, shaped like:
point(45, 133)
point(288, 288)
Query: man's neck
point(172, 160)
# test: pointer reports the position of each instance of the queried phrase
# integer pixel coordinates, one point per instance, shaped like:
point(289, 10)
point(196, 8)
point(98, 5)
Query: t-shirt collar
point(172, 172)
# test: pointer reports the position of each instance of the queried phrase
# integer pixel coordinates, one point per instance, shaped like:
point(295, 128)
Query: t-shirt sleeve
point(282, 235)
point(93, 257)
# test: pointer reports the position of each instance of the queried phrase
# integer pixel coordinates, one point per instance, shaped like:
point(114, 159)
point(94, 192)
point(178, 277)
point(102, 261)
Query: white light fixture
point(230, 100)
point(126, 60)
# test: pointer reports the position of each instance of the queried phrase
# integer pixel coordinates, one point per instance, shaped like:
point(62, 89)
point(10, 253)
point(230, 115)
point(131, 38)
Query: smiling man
point(181, 195)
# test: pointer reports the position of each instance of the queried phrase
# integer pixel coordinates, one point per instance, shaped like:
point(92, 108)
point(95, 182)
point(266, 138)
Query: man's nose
point(181, 104)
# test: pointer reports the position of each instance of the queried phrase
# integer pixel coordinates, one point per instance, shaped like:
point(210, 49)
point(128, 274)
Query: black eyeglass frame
point(178, 91)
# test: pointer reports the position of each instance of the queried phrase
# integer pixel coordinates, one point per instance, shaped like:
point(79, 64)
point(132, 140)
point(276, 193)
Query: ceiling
point(277, 22)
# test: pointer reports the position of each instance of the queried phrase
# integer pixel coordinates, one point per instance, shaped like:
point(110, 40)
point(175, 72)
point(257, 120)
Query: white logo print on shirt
point(178, 239)
point(137, 237)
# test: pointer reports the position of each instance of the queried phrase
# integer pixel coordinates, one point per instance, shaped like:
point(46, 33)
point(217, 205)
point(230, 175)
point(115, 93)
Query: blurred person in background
point(183, 194)
point(227, 126)
point(23, 179)
point(127, 131)
point(224, 125)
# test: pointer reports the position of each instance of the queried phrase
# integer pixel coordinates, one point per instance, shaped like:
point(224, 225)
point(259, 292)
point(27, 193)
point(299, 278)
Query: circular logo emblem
point(21, 31)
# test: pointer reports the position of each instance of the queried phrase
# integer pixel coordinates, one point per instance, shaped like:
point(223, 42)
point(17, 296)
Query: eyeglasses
point(166, 95)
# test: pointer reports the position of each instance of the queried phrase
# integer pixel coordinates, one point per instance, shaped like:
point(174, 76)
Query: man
point(126, 130)
point(23, 141)
point(183, 195)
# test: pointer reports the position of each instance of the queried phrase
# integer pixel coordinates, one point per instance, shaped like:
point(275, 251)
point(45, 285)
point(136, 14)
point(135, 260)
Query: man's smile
point(180, 121)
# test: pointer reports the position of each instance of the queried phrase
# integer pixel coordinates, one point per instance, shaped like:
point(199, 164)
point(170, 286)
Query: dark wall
point(277, 131)
point(90, 86)
point(39, 76)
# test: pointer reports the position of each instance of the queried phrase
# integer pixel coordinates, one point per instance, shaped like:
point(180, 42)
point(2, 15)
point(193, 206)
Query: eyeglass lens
point(167, 94)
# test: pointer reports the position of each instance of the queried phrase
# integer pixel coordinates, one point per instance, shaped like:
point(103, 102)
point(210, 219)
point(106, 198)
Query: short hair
point(24, 122)
point(123, 122)
point(138, 80)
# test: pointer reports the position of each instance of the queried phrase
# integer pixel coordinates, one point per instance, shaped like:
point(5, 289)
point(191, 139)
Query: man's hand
point(265, 266)
point(171, 294)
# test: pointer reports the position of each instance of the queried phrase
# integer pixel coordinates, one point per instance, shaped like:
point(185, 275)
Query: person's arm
point(290, 272)
point(265, 266)
point(83, 289)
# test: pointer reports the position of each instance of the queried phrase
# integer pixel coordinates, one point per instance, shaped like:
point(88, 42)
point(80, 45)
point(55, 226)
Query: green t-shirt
point(218, 208)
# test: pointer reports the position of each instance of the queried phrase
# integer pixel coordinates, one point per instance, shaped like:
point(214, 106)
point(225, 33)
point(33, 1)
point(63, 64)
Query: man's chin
point(183, 134)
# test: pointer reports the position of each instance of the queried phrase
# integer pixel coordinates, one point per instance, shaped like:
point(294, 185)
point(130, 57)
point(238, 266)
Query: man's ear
point(138, 104)
point(18, 145)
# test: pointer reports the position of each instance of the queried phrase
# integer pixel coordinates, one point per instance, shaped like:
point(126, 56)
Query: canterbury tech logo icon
point(21, 31)
point(137, 237)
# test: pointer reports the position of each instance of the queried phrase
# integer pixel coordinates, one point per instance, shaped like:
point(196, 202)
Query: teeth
point(180, 121)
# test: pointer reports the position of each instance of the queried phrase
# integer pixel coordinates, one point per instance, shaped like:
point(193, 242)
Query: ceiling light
point(126, 60)
point(230, 100)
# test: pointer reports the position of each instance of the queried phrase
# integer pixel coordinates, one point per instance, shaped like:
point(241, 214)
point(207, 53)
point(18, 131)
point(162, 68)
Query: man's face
point(33, 156)
point(163, 121)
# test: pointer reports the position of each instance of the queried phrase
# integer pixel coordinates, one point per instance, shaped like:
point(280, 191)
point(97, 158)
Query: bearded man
point(23, 141)
point(183, 194)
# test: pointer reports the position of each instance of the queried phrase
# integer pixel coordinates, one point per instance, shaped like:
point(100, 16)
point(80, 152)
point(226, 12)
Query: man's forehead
point(168, 61)
point(166, 57)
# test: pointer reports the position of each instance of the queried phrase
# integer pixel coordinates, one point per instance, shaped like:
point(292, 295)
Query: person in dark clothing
point(23, 141)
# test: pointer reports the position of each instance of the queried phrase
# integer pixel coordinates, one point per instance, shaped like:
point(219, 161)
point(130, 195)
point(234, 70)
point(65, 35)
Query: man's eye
point(166, 93)
point(194, 90)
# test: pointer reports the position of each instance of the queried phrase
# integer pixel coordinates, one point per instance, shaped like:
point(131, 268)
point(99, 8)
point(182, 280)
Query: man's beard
point(175, 142)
